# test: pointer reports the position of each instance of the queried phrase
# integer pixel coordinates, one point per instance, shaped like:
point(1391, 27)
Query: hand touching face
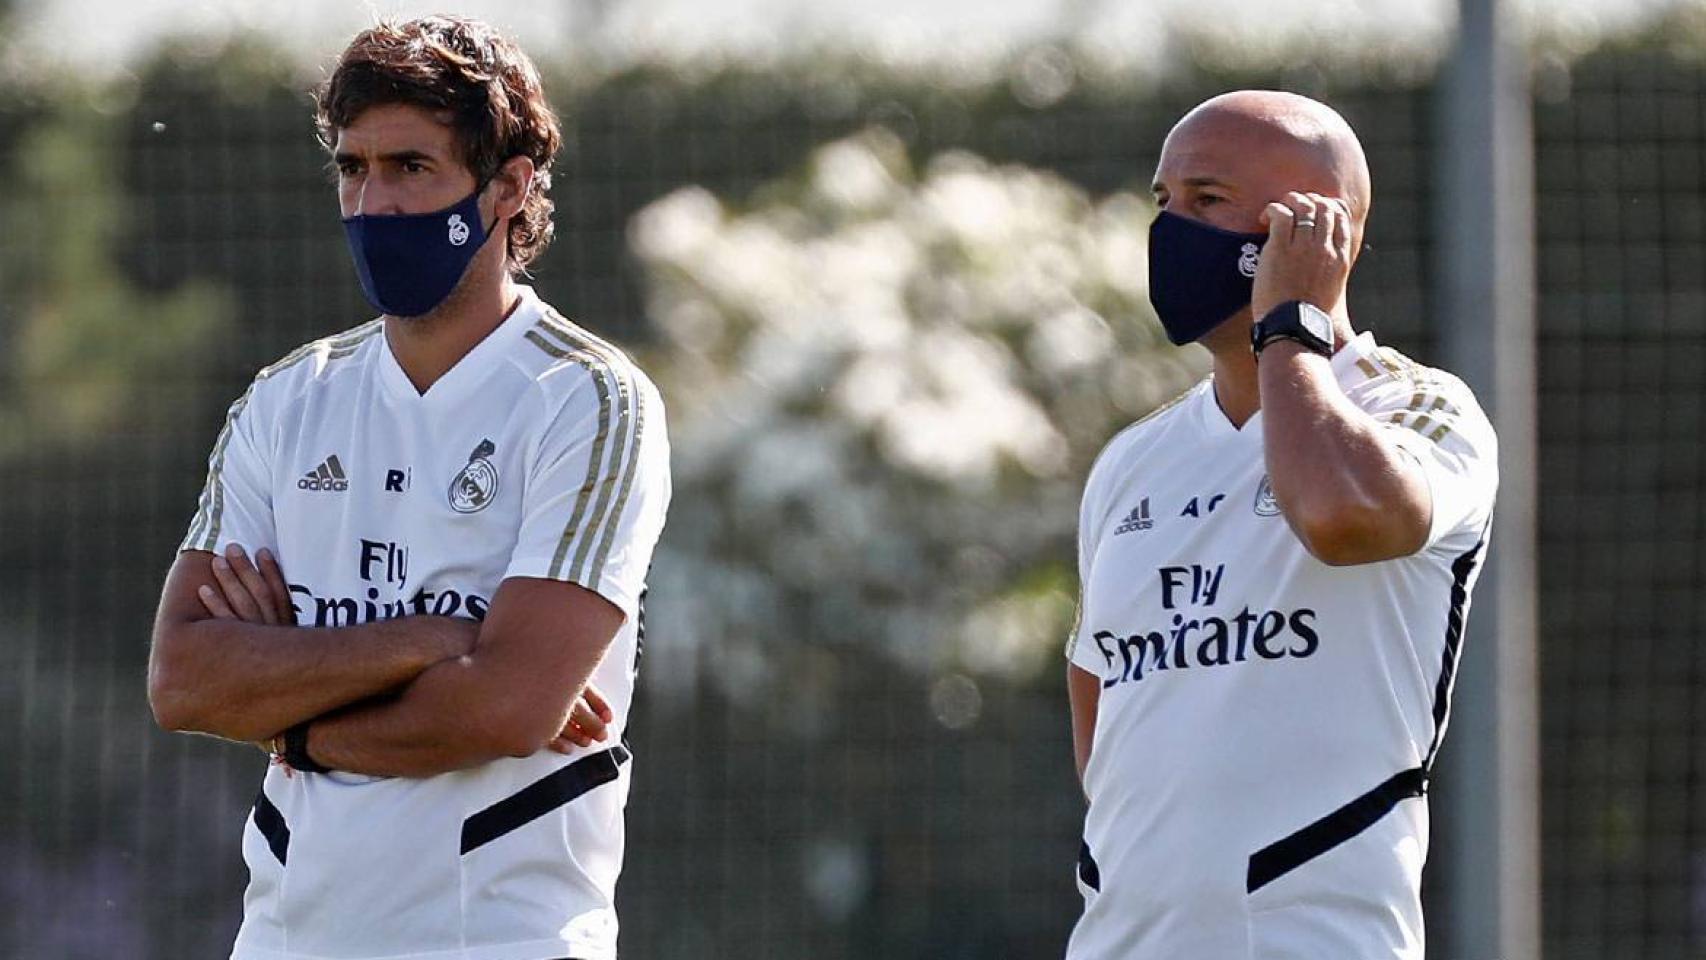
point(1308, 253)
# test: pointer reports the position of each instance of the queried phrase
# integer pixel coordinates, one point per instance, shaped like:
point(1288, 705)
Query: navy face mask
point(1199, 276)
point(409, 262)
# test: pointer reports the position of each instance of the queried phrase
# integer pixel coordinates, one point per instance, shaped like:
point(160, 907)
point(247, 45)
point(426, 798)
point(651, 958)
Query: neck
point(427, 346)
point(1236, 387)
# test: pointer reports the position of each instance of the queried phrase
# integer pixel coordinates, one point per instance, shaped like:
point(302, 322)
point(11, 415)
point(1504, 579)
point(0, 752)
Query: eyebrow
point(1195, 182)
point(395, 156)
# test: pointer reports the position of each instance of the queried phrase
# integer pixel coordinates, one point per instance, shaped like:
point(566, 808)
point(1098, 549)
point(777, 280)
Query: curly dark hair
point(489, 88)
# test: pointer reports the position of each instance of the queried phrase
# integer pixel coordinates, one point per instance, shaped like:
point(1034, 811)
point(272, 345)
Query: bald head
point(1239, 151)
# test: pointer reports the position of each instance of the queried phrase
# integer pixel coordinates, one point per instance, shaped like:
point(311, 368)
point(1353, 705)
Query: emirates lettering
point(1208, 642)
point(347, 611)
point(1197, 638)
point(387, 563)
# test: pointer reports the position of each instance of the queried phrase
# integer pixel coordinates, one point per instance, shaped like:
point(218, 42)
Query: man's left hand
point(1307, 256)
point(251, 592)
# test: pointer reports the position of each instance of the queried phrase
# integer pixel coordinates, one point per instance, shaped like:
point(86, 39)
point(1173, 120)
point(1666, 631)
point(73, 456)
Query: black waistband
point(542, 796)
point(1087, 869)
point(517, 810)
point(270, 822)
point(1283, 856)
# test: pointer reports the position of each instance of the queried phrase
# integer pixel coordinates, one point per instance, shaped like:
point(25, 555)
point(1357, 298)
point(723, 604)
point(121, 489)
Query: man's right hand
point(588, 722)
point(1308, 255)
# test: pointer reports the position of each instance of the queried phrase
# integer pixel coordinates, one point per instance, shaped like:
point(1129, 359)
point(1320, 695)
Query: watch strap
point(1287, 322)
point(296, 750)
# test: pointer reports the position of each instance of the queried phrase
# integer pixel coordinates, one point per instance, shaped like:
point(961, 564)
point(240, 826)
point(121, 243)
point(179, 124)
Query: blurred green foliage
point(890, 381)
point(82, 338)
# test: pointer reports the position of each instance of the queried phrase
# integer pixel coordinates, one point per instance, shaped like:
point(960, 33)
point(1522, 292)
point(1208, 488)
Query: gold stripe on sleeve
point(210, 512)
point(204, 530)
point(601, 382)
point(614, 482)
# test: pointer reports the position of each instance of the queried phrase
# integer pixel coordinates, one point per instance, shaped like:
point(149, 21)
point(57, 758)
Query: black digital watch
point(1294, 320)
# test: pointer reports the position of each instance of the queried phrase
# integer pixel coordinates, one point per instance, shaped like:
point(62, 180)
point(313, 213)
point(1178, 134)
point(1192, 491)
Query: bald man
point(1275, 570)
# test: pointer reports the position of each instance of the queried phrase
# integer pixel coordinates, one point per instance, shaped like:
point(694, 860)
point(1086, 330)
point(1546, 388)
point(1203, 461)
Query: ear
point(512, 183)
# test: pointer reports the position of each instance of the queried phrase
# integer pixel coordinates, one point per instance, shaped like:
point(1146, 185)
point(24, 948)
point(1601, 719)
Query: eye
point(414, 166)
point(1208, 199)
point(348, 168)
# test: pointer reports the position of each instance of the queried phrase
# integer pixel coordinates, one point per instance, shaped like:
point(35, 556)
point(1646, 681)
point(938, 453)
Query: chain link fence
point(162, 239)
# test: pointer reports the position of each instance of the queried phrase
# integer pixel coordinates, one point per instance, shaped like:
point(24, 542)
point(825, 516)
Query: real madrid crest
point(477, 483)
point(1249, 259)
point(458, 230)
point(1266, 505)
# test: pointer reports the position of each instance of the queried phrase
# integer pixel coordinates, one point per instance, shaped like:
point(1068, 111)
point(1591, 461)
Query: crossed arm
point(415, 696)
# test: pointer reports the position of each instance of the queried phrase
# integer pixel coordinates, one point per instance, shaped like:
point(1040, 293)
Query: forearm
point(1333, 471)
point(434, 725)
point(459, 714)
point(246, 681)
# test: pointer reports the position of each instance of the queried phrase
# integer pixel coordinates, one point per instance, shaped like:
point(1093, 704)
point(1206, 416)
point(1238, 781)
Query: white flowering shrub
point(885, 390)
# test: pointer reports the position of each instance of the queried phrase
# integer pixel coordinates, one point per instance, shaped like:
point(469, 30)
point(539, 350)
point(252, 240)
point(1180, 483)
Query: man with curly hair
point(415, 577)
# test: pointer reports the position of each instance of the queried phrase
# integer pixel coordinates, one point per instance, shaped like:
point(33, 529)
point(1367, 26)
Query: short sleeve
point(236, 502)
point(597, 489)
point(1441, 426)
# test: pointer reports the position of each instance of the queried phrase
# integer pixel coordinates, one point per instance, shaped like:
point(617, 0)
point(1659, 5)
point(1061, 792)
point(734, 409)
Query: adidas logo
point(329, 475)
point(1138, 519)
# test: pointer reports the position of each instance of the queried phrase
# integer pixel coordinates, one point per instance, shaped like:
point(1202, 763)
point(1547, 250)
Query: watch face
point(1317, 323)
point(1303, 322)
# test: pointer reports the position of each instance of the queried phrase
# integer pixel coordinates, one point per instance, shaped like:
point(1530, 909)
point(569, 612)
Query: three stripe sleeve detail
point(210, 511)
point(589, 535)
point(204, 529)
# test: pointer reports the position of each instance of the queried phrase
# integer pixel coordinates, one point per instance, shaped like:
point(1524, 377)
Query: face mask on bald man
point(1199, 276)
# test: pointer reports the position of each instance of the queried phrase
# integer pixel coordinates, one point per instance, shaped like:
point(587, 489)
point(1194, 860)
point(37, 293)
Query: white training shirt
point(1266, 721)
point(542, 453)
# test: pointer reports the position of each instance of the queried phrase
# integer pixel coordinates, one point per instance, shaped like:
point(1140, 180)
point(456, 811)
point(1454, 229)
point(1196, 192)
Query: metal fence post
point(1488, 811)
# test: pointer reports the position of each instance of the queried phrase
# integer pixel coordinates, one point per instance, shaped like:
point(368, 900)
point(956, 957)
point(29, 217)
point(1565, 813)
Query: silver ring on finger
point(1301, 224)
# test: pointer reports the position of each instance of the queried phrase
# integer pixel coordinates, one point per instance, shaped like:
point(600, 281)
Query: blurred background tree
point(81, 339)
point(891, 384)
